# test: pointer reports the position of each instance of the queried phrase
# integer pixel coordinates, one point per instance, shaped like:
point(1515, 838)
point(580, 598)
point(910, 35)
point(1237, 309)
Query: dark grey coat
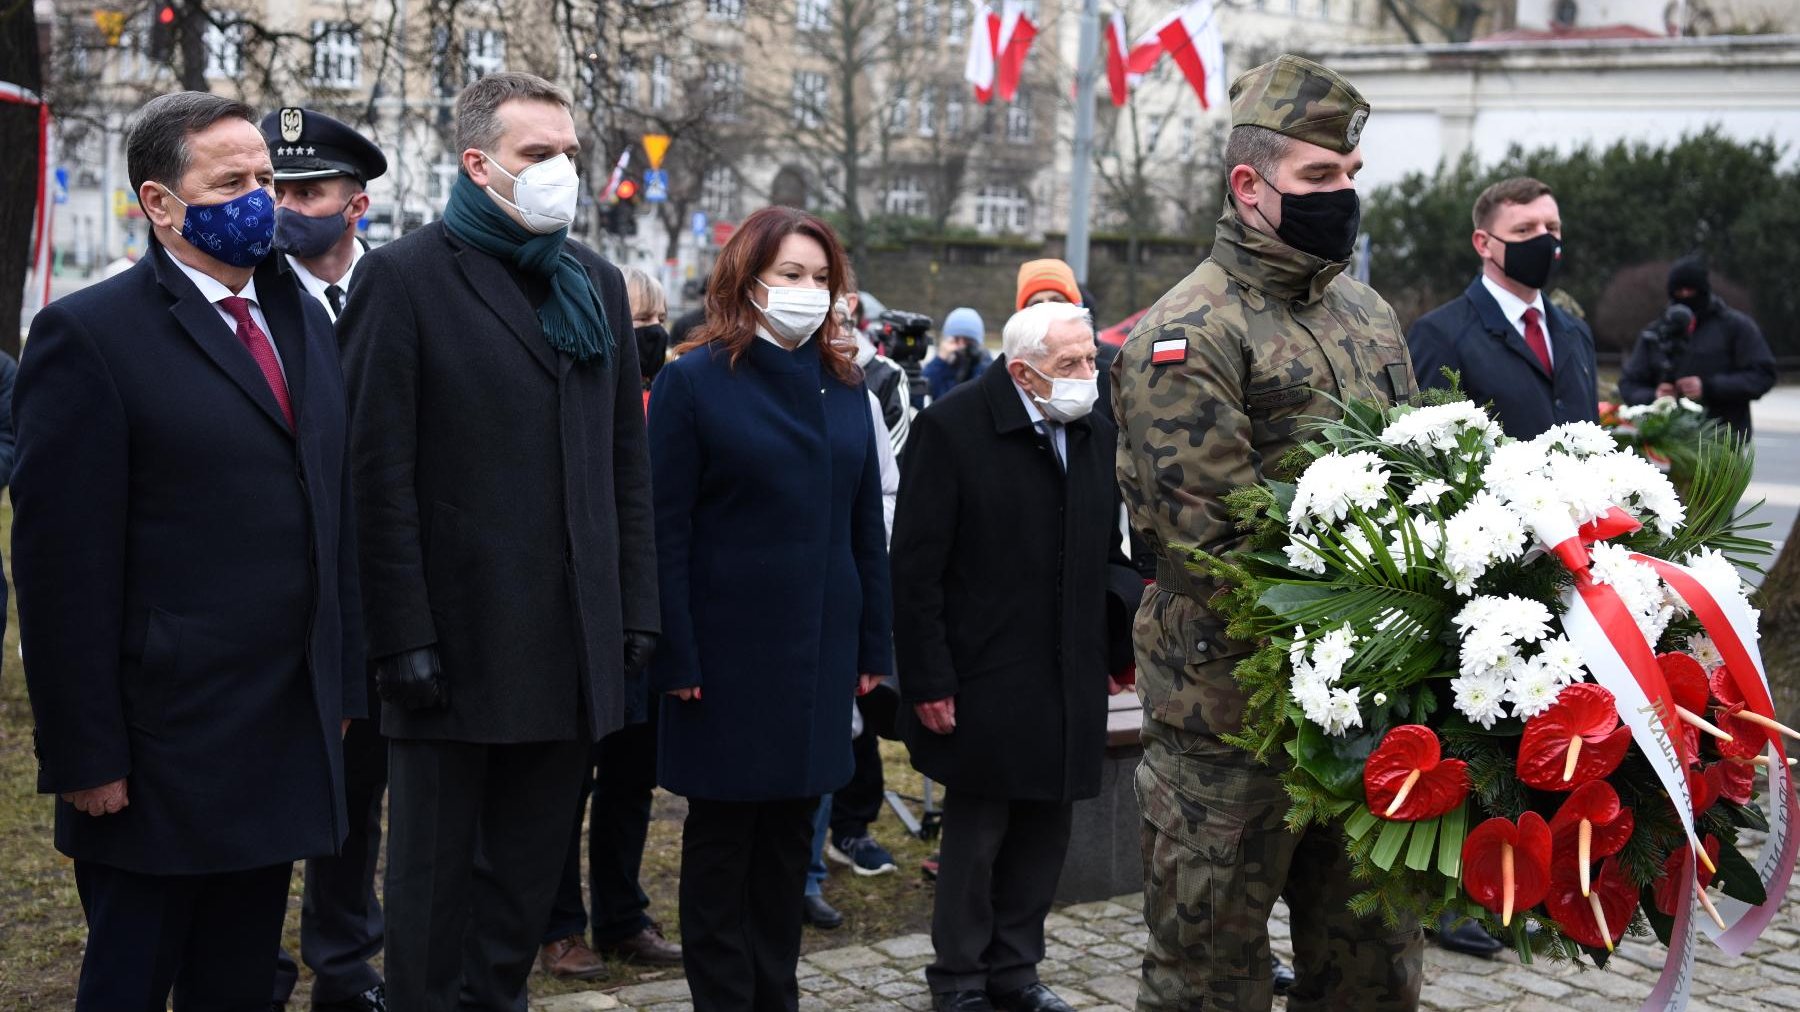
point(502, 493)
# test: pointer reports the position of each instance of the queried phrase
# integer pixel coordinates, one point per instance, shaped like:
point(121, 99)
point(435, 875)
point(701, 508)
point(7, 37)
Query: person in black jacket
point(1727, 363)
point(9, 372)
point(1008, 515)
point(509, 574)
point(187, 576)
point(1511, 347)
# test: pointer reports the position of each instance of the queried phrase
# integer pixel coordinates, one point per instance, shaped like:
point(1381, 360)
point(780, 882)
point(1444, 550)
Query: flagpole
point(1081, 172)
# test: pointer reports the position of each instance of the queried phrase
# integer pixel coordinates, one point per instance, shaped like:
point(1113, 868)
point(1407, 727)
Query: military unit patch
point(1169, 350)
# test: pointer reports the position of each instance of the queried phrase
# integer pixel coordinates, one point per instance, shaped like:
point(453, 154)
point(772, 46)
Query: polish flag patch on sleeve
point(1168, 351)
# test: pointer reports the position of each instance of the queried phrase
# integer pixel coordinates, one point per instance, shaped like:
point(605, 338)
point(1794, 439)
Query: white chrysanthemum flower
point(1638, 587)
point(1481, 698)
point(1341, 713)
point(1532, 688)
point(1695, 406)
point(1381, 699)
point(1634, 412)
point(1297, 649)
point(1303, 555)
point(1428, 492)
point(1701, 648)
point(1563, 659)
point(1439, 427)
point(1714, 570)
point(1335, 482)
point(1582, 439)
point(1335, 648)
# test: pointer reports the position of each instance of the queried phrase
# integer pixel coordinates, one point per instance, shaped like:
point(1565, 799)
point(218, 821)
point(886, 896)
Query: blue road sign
point(656, 185)
point(700, 224)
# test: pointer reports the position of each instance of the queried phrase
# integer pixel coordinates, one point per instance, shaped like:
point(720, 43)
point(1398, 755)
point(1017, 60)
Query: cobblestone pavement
point(1094, 950)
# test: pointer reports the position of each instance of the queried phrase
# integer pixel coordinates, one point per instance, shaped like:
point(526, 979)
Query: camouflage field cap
point(1301, 99)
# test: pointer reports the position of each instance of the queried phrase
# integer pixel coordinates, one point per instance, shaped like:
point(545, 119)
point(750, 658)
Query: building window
point(725, 87)
point(628, 80)
point(931, 18)
point(725, 10)
point(660, 83)
point(224, 42)
point(899, 111)
point(927, 111)
point(484, 53)
point(1187, 138)
point(906, 198)
point(1001, 209)
point(337, 54)
point(903, 18)
point(812, 15)
point(958, 22)
point(719, 193)
point(1018, 119)
point(810, 97)
point(1153, 128)
point(953, 117)
point(1325, 9)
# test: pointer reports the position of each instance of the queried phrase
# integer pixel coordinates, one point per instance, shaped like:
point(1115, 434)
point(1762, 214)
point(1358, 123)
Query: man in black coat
point(1725, 363)
point(187, 576)
point(503, 502)
point(1006, 521)
point(1511, 346)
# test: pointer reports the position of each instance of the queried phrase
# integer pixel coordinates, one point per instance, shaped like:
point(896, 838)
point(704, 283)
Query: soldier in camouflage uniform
point(1212, 386)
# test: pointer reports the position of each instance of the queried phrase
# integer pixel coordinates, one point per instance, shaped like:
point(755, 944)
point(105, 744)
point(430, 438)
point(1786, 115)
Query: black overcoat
point(1727, 351)
point(186, 573)
point(1000, 577)
point(502, 493)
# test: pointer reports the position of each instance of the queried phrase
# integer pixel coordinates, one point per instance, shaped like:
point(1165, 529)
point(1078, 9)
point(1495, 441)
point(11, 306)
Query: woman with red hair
point(775, 601)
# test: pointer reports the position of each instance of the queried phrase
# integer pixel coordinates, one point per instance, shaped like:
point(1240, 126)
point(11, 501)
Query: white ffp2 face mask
point(795, 313)
point(544, 194)
point(1069, 399)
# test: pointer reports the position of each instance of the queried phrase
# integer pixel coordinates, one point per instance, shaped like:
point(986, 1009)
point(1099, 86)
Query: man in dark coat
point(1512, 347)
point(1726, 363)
point(503, 502)
point(1006, 521)
point(187, 576)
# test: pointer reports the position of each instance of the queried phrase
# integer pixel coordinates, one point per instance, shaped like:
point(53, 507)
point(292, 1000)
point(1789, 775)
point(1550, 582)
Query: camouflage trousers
point(1216, 856)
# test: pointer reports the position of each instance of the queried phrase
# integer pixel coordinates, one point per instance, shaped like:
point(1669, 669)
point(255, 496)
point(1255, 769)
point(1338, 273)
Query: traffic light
point(627, 191)
point(621, 216)
point(162, 31)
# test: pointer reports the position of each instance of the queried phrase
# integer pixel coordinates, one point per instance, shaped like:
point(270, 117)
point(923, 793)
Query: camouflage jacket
point(1214, 383)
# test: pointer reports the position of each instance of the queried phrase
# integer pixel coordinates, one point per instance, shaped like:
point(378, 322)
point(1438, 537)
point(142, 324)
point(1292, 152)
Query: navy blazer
point(773, 571)
point(1470, 335)
point(186, 573)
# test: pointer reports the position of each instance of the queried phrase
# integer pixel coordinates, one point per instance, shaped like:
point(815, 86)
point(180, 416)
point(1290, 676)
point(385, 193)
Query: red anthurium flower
point(1747, 739)
point(1579, 738)
point(1407, 779)
point(1735, 781)
point(1598, 917)
point(1670, 883)
point(1591, 824)
point(1687, 681)
point(1506, 867)
point(1703, 791)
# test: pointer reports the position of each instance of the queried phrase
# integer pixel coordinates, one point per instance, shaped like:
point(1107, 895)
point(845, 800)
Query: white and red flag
point(1016, 33)
point(1191, 36)
point(984, 52)
point(1117, 71)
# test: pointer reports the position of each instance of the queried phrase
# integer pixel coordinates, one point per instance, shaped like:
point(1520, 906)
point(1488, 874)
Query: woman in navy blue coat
point(776, 606)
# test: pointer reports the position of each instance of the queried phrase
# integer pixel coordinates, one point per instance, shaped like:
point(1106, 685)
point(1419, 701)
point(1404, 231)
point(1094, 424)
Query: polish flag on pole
point(984, 52)
point(1016, 33)
point(1191, 36)
point(1116, 75)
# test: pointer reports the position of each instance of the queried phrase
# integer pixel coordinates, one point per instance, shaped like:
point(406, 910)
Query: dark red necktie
point(1534, 336)
point(257, 344)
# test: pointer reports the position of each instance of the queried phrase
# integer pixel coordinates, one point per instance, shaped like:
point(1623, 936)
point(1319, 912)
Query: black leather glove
point(413, 680)
point(639, 646)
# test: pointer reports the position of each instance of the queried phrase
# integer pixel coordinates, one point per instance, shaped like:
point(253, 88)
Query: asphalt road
point(1776, 482)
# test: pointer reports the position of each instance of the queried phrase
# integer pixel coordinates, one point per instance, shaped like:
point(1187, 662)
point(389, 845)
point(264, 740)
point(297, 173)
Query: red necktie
point(1534, 336)
point(257, 344)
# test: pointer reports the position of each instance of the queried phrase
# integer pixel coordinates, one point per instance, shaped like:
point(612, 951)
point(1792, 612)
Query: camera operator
point(1701, 349)
point(961, 356)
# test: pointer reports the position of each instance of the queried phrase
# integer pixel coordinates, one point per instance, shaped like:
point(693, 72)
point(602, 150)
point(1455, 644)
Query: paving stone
point(1484, 988)
point(1111, 950)
point(900, 988)
point(868, 977)
point(1539, 985)
point(920, 1002)
point(1116, 988)
point(672, 1006)
point(1435, 996)
point(1130, 901)
point(654, 993)
point(1080, 938)
point(907, 946)
point(853, 956)
point(584, 1001)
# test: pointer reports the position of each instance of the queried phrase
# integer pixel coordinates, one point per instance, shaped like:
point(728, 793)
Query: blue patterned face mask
point(239, 232)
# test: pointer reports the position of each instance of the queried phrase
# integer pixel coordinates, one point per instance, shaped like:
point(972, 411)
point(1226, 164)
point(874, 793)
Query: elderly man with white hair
point(1006, 521)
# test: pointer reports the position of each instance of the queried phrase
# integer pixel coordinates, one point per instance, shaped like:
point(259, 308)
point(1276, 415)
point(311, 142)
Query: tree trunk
point(1779, 600)
point(20, 65)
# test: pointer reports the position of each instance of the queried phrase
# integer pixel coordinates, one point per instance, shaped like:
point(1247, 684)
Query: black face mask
point(306, 237)
point(1531, 262)
point(1698, 302)
point(1323, 224)
point(653, 347)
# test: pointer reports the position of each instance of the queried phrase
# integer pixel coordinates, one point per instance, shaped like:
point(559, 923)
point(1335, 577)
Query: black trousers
point(205, 937)
point(476, 839)
point(997, 876)
point(621, 781)
point(743, 876)
point(857, 804)
point(340, 915)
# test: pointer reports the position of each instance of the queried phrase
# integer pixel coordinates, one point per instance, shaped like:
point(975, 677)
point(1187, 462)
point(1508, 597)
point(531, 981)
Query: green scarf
point(571, 318)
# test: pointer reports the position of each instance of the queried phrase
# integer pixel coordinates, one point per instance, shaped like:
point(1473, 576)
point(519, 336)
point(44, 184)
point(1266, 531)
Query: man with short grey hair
point(1006, 520)
point(503, 505)
point(187, 579)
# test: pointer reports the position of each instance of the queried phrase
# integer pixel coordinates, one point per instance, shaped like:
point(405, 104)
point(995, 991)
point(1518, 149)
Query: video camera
point(1666, 340)
point(905, 338)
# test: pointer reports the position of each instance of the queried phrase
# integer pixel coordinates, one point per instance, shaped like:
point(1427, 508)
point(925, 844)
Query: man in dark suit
point(503, 504)
point(321, 166)
point(1513, 348)
point(187, 576)
point(1007, 517)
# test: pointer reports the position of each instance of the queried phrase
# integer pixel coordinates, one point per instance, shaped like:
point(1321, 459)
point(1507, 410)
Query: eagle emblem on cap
point(292, 125)
point(1353, 132)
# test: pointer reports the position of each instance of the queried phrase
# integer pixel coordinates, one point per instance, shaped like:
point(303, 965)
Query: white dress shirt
point(212, 290)
point(1057, 431)
point(315, 287)
point(1513, 308)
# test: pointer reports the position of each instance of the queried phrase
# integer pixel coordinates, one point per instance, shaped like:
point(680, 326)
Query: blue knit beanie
point(964, 322)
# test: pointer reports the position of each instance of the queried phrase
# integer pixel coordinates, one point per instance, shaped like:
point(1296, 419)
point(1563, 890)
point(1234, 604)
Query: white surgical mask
point(1069, 399)
point(544, 193)
point(795, 313)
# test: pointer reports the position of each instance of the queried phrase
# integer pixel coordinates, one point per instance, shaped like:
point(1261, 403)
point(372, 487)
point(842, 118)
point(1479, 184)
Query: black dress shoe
point(1032, 998)
point(820, 914)
point(372, 1000)
point(961, 1001)
point(1466, 936)
point(1283, 974)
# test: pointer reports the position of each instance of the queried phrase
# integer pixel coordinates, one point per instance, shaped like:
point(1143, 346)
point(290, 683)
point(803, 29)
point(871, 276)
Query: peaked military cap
point(1301, 99)
point(305, 144)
